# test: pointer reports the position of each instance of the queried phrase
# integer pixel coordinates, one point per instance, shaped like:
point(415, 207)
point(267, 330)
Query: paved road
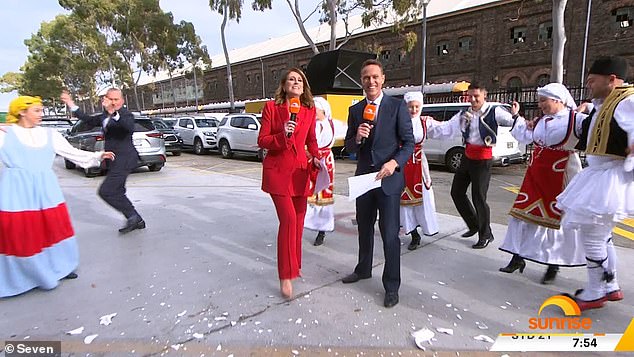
point(201, 279)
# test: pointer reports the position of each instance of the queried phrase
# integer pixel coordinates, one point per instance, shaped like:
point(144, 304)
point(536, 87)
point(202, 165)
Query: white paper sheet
point(323, 178)
point(358, 185)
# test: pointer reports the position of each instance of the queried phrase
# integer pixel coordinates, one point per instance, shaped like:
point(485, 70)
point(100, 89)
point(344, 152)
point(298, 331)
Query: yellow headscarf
point(19, 104)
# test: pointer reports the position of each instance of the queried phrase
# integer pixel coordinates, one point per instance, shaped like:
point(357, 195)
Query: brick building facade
point(504, 44)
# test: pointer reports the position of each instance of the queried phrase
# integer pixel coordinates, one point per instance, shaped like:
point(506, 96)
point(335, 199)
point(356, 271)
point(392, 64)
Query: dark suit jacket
point(118, 134)
point(391, 138)
point(285, 169)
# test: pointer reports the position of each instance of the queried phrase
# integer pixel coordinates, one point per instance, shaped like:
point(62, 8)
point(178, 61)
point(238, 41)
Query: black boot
point(415, 240)
point(550, 275)
point(516, 262)
point(134, 222)
point(319, 240)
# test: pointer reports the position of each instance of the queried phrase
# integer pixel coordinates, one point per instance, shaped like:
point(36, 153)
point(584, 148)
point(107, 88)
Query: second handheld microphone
point(293, 107)
point(369, 113)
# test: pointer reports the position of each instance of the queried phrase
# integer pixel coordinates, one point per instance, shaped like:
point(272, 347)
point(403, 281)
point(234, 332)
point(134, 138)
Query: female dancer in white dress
point(534, 231)
point(320, 215)
point(418, 207)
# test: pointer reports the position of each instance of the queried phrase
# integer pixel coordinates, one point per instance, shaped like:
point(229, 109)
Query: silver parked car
point(238, 133)
point(197, 132)
point(147, 140)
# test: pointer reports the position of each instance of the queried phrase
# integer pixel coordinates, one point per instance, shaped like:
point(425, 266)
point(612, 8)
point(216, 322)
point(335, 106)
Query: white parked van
point(449, 152)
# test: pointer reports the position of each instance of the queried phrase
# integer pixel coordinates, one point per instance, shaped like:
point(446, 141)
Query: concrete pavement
point(202, 279)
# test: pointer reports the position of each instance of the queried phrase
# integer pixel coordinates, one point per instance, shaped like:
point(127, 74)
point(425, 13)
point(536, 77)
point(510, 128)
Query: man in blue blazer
point(118, 125)
point(383, 145)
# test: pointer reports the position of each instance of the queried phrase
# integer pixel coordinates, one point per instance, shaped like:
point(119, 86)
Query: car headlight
point(208, 133)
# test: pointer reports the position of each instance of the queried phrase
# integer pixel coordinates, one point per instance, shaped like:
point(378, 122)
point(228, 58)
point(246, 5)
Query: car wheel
point(198, 147)
point(453, 158)
point(69, 164)
point(176, 153)
point(155, 167)
point(225, 150)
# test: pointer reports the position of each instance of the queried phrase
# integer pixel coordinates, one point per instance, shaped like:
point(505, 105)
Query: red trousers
point(290, 212)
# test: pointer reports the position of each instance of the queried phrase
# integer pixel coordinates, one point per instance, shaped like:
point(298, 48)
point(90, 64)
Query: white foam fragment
point(483, 338)
point(421, 336)
point(447, 331)
point(88, 340)
point(107, 319)
point(76, 331)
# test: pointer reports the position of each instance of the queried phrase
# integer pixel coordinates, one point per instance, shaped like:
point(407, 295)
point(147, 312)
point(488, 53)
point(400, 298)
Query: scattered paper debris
point(448, 331)
point(219, 348)
point(182, 314)
point(107, 319)
point(176, 347)
point(421, 336)
point(198, 335)
point(298, 321)
point(88, 340)
point(76, 331)
point(220, 318)
point(434, 297)
point(441, 283)
point(483, 338)
point(459, 317)
point(482, 326)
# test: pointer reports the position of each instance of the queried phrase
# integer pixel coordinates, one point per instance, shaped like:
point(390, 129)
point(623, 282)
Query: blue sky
point(21, 18)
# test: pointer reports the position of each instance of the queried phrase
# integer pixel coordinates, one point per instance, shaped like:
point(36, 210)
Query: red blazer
point(285, 169)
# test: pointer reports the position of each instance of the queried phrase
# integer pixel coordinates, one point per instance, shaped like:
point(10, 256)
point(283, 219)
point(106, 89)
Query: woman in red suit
point(291, 154)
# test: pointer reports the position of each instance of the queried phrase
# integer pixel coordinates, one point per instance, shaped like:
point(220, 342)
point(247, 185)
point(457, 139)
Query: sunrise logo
point(571, 310)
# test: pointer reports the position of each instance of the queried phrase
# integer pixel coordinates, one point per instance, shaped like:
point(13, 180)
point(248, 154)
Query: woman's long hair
point(306, 98)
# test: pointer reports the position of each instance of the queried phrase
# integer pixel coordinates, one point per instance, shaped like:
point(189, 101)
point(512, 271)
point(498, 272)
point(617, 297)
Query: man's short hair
point(370, 62)
point(475, 86)
point(113, 89)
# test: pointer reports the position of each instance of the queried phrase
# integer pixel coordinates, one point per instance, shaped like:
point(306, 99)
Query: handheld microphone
point(369, 113)
point(293, 107)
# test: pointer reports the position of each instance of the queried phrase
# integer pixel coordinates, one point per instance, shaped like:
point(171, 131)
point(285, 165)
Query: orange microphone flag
point(294, 105)
point(369, 113)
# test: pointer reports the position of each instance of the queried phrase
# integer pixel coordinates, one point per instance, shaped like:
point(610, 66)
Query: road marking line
point(623, 233)
point(628, 222)
point(514, 189)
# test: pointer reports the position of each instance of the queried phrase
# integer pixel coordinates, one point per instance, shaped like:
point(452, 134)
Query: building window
point(248, 78)
point(545, 31)
point(442, 48)
point(385, 55)
point(465, 43)
point(543, 79)
point(275, 74)
point(623, 17)
point(514, 83)
point(402, 56)
point(518, 34)
point(257, 78)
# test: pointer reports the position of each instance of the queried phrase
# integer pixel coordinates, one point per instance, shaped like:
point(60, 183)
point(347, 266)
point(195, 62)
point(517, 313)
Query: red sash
point(543, 182)
point(478, 152)
point(413, 173)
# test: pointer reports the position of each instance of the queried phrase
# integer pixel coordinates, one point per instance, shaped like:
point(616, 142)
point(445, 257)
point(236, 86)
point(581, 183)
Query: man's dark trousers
point(388, 208)
point(476, 173)
point(112, 189)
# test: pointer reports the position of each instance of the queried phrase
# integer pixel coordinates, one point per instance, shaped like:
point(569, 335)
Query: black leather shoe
point(353, 278)
point(135, 222)
point(482, 243)
point(516, 262)
point(391, 299)
point(319, 240)
point(72, 275)
point(415, 242)
point(469, 233)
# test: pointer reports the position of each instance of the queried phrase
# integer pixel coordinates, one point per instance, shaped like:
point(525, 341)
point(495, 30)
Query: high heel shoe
point(286, 288)
point(516, 263)
point(550, 275)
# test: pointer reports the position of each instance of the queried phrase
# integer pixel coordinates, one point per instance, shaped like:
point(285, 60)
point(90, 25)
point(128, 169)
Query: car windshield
point(159, 124)
point(206, 123)
point(143, 125)
point(170, 122)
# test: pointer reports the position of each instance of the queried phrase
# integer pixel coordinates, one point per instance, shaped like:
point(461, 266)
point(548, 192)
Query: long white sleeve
point(324, 133)
point(623, 116)
point(521, 132)
point(447, 129)
point(84, 159)
point(417, 126)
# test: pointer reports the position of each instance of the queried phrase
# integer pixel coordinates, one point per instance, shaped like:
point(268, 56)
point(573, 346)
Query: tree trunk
point(300, 23)
point(224, 48)
point(332, 10)
point(559, 41)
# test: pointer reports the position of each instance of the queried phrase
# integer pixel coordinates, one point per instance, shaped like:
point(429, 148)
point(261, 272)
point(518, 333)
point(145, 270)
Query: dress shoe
point(482, 243)
point(415, 243)
point(74, 275)
point(469, 233)
point(353, 278)
point(616, 295)
point(550, 275)
point(516, 263)
point(391, 299)
point(286, 288)
point(319, 240)
point(588, 304)
point(134, 222)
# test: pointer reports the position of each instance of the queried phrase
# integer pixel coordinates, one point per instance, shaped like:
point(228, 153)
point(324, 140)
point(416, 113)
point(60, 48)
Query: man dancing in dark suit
point(382, 145)
point(118, 125)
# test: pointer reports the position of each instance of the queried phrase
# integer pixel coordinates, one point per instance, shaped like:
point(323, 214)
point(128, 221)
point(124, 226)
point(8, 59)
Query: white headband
point(322, 103)
point(557, 91)
point(411, 96)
